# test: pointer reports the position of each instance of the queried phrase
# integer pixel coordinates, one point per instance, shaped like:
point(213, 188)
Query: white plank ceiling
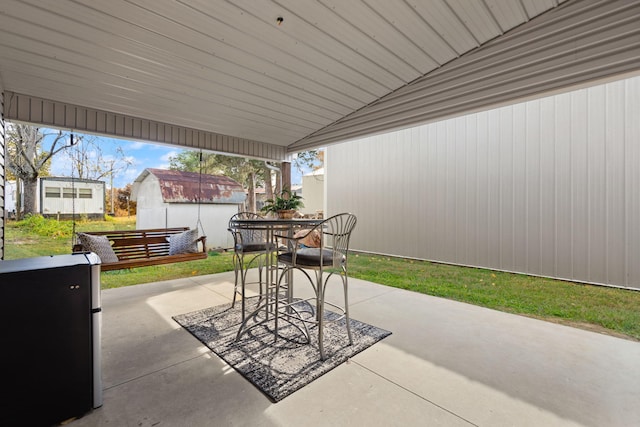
point(229, 69)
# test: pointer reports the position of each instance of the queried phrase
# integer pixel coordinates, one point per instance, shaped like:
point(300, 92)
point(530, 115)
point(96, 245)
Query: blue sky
point(142, 155)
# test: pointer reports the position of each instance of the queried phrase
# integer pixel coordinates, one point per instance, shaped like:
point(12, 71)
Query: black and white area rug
point(277, 368)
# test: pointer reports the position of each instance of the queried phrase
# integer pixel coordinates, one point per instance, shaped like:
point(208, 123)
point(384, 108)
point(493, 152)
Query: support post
point(286, 175)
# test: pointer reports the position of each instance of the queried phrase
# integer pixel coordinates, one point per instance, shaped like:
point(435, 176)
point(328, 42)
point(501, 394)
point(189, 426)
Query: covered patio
point(269, 79)
point(446, 363)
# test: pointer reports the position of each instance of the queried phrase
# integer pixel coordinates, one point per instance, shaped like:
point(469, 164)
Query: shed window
point(52, 192)
point(69, 193)
point(85, 193)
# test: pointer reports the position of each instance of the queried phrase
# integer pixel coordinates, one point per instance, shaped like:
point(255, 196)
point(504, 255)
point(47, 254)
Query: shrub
point(44, 227)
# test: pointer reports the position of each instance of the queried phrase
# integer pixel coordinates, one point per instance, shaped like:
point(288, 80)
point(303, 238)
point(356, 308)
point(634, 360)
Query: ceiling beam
point(54, 114)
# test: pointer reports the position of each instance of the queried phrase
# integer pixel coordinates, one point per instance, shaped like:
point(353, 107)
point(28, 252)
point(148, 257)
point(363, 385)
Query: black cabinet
point(50, 338)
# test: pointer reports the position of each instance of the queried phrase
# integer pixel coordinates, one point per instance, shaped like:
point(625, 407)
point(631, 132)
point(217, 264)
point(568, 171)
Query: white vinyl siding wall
point(547, 187)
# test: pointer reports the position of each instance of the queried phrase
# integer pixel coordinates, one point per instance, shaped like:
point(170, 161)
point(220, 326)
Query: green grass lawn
point(37, 236)
point(602, 309)
point(609, 310)
point(216, 262)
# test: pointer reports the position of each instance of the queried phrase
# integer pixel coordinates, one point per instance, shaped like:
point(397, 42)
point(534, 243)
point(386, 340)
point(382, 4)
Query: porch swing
point(122, 249)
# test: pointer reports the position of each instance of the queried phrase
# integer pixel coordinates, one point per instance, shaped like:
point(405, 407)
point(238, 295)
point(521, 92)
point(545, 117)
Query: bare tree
point(268, 184)
point(87, 160)
point(27, 161)
point(121, 201)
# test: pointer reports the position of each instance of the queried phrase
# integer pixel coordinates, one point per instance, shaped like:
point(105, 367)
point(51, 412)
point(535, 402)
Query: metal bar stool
point(250, 248)
point(327, 260)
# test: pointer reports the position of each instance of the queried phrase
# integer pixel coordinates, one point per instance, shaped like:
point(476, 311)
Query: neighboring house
point(62, 197)
point(168, 198)
point(313, 192)
point(10, 199)
point(54, 197)
point(261, 196)
point(296, 189)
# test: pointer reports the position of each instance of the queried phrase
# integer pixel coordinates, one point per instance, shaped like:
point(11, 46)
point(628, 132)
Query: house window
point(52, 192)
point(85, 193)
point(68, 193)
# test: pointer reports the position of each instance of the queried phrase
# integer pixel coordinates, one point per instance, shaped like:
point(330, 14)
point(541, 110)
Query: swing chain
point(73, 201)
point(199, 223)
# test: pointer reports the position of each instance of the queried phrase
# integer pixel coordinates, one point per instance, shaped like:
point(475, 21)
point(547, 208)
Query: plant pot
point(286, 214)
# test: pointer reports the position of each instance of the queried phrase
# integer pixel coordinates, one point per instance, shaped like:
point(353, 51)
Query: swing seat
point(141, 248)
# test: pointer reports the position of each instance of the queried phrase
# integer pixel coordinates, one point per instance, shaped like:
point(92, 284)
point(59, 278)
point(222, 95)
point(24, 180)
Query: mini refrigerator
point(50, 357)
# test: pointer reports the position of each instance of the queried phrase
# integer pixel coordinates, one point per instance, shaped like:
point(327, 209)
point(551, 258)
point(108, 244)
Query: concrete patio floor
point(446, 364)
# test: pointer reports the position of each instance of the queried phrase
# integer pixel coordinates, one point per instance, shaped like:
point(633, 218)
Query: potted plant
point(284, 205)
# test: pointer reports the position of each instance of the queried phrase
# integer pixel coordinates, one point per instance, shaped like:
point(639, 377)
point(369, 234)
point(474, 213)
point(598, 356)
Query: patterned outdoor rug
point(277, 369)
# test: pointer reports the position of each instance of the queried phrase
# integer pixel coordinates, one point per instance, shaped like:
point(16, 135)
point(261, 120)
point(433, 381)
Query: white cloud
point(130, 175)
point(167, 156)
point(137, 145)
point(162, 166)
point(59, 168)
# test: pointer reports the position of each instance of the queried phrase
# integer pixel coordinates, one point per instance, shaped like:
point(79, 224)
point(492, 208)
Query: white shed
point(168, 198)
point(62, 197)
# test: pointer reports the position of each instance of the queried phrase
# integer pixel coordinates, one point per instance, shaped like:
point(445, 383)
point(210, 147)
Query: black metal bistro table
point(267, 309)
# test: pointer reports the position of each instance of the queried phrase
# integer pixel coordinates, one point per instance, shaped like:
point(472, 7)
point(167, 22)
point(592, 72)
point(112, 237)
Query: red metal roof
point(188, 187)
